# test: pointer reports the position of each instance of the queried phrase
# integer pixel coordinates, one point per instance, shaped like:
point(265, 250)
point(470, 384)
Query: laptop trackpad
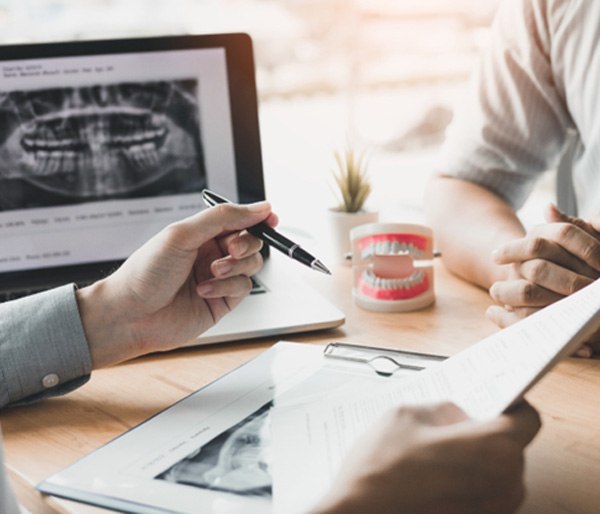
point(286, 307)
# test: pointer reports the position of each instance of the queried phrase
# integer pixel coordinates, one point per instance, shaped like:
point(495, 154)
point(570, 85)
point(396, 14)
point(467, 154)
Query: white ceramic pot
point(340, 224)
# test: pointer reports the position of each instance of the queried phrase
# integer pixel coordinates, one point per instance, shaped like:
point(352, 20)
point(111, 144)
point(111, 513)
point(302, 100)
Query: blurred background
point(380, 75)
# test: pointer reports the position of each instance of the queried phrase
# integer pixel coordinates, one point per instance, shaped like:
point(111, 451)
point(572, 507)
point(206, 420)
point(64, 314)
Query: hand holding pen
point(272, 237)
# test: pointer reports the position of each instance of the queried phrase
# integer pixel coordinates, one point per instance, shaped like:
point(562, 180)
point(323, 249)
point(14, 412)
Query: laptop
point(103, 143)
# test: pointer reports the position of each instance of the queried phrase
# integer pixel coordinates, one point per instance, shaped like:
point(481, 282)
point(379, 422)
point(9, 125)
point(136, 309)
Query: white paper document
point(310, 441)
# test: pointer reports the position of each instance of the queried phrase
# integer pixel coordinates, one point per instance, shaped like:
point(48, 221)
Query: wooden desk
point(563, 471)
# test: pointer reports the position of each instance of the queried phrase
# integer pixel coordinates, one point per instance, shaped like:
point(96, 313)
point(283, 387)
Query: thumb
point(191, 233)
point(554, 215)
point(521, 423)
point(595, 221)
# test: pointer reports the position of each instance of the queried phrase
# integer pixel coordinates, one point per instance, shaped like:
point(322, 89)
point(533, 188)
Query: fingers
point(232, 287)
point(594, 341)
point(553, 215)
point(591, 346)
point(522, 293)
point(446, 414)
point(554, 260)
point(521, 423)
point(567, 241)
point(468, 466)
point(572, 254)
point(553, 277)
point(240, 245)
point(575, 240)
point(438, 414)
point(230, 267)
point(595, 222)
point(231, 275)
point(586, 351)
point(191, 233)
point(504, 317)
point(501, 499)
point(541, 283)
point(488, 455)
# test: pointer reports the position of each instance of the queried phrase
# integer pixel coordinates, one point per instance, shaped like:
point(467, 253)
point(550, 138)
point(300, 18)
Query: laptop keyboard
point(257, 288)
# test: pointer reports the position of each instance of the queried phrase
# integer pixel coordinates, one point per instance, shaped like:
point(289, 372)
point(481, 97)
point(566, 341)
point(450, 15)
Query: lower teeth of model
point(393, 283)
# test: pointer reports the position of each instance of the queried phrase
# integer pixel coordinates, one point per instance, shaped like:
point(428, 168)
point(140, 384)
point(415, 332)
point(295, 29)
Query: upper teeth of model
point(391, 248)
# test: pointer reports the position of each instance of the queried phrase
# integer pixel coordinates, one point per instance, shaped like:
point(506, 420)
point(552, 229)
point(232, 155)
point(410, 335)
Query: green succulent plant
point(352, 181)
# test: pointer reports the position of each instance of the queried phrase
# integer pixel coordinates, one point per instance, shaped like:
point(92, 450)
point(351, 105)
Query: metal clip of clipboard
point(384, 361)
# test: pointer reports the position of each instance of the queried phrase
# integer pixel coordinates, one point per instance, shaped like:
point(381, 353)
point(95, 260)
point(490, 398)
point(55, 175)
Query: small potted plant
point(353, 187)
point(352, 181)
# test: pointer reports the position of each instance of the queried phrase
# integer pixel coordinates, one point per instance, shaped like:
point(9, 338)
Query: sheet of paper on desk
point(310, 441)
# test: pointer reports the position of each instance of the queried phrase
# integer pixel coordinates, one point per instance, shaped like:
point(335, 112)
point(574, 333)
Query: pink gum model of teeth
point(393, 266)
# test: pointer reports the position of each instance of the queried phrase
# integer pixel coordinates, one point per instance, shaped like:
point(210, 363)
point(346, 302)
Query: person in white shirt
point(180, 283)
point(532, 107)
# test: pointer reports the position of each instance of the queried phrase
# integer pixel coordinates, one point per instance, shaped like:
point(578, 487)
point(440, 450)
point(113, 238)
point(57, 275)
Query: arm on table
point(484, 242)
point(177, 285)
point(469, 222)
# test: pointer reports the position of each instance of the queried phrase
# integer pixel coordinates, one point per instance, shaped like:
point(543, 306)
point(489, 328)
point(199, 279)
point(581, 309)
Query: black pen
point(272, 237)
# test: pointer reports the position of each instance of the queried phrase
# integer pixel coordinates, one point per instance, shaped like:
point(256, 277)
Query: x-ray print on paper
point(236, 461)
point(69, 145)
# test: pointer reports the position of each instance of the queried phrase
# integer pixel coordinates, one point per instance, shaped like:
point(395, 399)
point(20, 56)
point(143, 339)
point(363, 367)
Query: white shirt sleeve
point(513, 125)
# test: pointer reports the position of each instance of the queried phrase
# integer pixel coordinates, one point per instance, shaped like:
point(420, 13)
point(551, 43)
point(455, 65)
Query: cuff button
point(50, 380)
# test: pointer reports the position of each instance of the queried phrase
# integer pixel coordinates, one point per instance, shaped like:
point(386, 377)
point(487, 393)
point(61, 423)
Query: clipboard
point(177, 460)
point(384, 361)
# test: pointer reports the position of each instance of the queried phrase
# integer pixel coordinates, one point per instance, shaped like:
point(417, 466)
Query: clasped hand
point(552, 261)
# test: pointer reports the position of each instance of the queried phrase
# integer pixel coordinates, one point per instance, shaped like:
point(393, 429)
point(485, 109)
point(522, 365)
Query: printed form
point(310, 440)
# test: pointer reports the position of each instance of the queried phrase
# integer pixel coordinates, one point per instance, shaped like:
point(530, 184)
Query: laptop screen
point(104, 143)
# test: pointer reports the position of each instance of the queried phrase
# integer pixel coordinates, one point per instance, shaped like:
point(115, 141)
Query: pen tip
point(319, 266)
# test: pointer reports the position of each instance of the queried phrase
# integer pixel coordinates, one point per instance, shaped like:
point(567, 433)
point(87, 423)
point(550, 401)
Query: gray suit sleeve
point(43, 349)
point(8, 503)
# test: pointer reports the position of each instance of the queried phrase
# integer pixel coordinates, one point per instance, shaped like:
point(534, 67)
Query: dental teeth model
point(392, 266)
